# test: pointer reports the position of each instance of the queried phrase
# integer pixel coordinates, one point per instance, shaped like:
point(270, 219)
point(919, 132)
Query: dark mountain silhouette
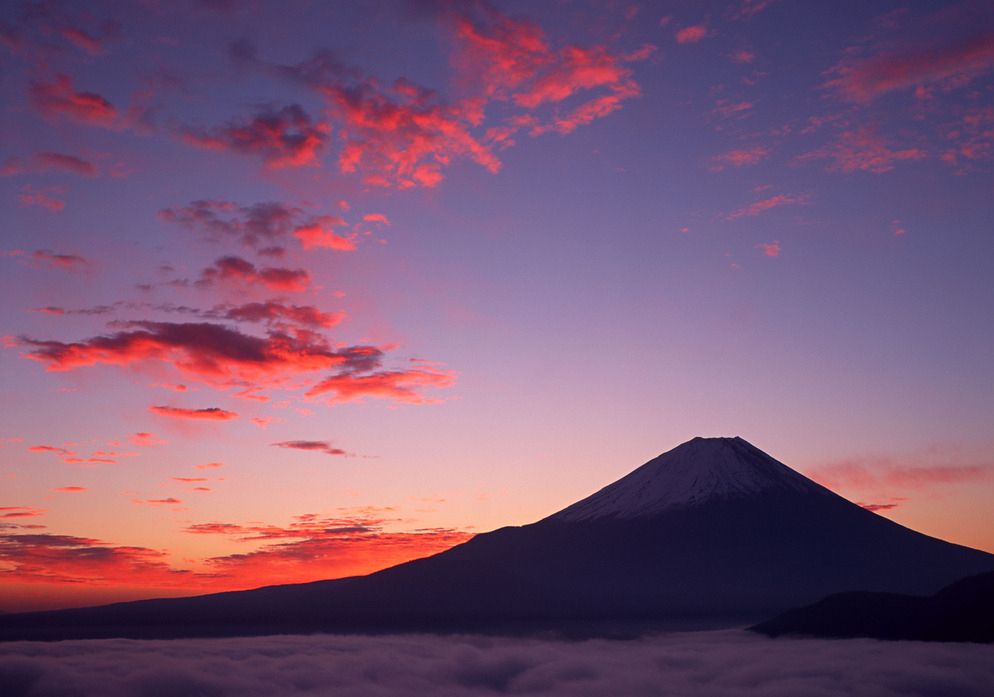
point(963, 611)
point(714, 532)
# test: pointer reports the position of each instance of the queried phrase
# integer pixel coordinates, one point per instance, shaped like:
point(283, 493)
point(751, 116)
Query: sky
point(292, 291)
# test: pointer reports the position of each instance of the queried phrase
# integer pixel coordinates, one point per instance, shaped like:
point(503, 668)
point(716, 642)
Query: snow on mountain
point(697, 471)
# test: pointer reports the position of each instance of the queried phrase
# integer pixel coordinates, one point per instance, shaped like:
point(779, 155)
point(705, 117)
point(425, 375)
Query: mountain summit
point(692, 474)
point(713, 532)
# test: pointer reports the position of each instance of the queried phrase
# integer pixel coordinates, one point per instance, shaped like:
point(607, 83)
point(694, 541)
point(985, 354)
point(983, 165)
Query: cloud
point(314, 546)
point(691, 34)
point(209, 465)
point(70, 489)
point(729, 663)
point(317, 446)
point(66, 163)
point(59, 99)
point(51, 449)
point(376, 218)
point(207, 414)
point(890, 474)
point(70, 262)
point(190, 480)
point(398, 385)
point(320, 234)
point(145, 439)
point(51, 558)
point(223, 357)
point(957, 61)
point(234, 268)
point(878, 506)
point(8, 512)
point(739, 158)
point(769, 249)
point(287, 137)
point(159, 502)
point(261, 223)
point(748, 9)
point(766, 204)
point(44, 198)
point(275, 313)
point(863, 150)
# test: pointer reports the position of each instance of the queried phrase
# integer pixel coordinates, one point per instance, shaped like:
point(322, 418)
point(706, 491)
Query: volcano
point(712, 533)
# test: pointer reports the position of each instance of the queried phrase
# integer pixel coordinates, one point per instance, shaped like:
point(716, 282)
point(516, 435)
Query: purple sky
point(298, 290)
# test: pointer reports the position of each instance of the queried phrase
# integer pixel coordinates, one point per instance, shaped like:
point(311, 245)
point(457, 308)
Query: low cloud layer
point(701, 663)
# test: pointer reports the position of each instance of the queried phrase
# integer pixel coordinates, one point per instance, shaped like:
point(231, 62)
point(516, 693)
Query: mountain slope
point(714, 531)
point(963, 611)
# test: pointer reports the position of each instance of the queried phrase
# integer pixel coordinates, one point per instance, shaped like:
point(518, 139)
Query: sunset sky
point(299, 290)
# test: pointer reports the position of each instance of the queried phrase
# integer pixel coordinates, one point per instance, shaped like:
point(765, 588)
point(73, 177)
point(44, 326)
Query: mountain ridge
point(737, 556)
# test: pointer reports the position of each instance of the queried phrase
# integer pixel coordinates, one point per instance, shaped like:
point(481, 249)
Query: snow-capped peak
point(703, 469)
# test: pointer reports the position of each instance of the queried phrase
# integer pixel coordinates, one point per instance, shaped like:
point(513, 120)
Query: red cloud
point(962, 59)
point(210, 352)
point(66, 163)
point(399, 385)
point(46, 558)
point(739, 158)
point(318, 446)
point(743, 56)
point(209, 465)
point(190, 480)
point(402, 135)
point(63, 261)
point(232, 268)
point(58, 98)
point(863, 150)
point(284, 138)
point(319, 233)
point(692, 34)
point(314, 547)
point(70, 489)
point(770, 249)
point(766, 204)
point(207, 414)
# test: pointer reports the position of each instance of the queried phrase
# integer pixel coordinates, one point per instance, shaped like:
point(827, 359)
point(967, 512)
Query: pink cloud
point(70, 489)
point(69, 262)
point(376, 218)
point(44, 198)
point(209, 465)
point(961, 59)
point(59, 98)
point(739, 158)
point(766, 204)
point(863, 150)
point(770, 249)
point(889, 475)
point(397, 385)
point(207, 414)
point(743, 56)
point(7, 512)
point(145, 439)
point(316, 446)
point(66, 163)
point(691, 34)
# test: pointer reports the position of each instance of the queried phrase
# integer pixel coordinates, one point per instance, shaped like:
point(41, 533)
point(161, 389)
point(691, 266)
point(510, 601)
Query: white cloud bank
point(719, 664)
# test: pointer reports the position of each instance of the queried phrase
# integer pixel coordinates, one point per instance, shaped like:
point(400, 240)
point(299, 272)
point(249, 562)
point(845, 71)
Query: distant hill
point(713, 532)
point(963, 611)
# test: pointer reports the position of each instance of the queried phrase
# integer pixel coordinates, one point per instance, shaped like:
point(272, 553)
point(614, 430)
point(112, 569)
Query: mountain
point(713, 532)
point(963, 611)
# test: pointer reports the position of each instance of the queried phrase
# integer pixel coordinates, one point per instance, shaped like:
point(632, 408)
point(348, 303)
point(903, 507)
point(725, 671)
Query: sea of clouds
point(715, 663)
